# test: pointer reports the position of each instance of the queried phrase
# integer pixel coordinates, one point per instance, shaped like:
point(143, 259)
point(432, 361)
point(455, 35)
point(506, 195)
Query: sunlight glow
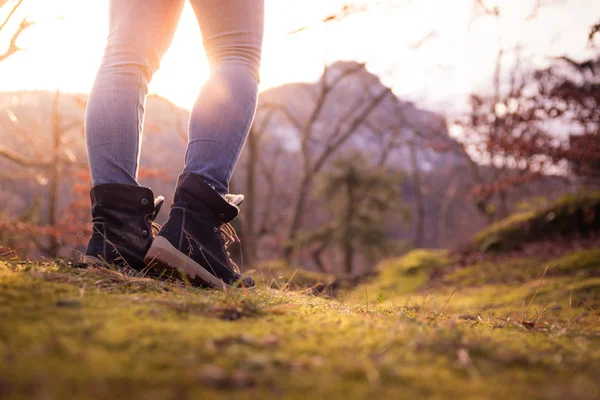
point(430, 51)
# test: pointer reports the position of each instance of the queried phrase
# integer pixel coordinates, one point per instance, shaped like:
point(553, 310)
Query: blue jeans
point(140, 32)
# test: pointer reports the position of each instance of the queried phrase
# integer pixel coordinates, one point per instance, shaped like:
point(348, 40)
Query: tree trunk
point(502, 205)
point(297, 216)
point(249, 230)
point(317, 254)
point(54, 176)
point(419, 203)
point(348, 239)
point(443, 213)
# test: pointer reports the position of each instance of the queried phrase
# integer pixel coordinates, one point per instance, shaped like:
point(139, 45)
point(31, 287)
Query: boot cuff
point(193, 190)
point(123, 196)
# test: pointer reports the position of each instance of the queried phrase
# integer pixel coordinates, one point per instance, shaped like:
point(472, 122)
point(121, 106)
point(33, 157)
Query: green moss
point(569, 216)
point(415, 260)
point(512, 270)
point(505, 287)
point(404, 274)
point(502, 235)
point(93, 333)
point(585, 262)
point(515, 270)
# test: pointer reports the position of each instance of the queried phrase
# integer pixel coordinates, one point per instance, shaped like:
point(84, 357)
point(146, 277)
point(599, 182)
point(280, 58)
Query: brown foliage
point(515, 131)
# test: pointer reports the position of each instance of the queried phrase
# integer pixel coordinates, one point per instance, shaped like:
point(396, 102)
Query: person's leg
point(122, 211)
point(232, 31)
point(195, 238)
point(139, 34)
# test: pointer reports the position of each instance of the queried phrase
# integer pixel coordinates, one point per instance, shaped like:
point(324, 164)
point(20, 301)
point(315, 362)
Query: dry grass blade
point(448, 301)
point(116, 280)
point(526, 311)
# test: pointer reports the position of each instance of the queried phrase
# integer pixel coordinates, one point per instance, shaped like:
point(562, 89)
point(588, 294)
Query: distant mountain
point(300, 98)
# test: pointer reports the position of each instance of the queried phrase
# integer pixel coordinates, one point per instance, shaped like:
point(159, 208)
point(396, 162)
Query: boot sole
point(163, 256)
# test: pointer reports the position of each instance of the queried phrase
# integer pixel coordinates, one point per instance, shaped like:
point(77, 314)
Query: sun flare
point(428, 50)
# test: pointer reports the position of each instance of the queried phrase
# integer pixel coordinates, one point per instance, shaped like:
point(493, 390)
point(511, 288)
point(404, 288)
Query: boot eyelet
point(144, 233)
point(216, 229)
point(222, 216)
point(144, 201)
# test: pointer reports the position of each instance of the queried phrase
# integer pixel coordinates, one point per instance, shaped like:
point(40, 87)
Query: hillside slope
point(535, 265)
point(96, 333)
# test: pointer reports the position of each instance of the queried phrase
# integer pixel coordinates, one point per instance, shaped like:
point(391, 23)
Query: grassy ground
point(423, 328)
point(515, 315)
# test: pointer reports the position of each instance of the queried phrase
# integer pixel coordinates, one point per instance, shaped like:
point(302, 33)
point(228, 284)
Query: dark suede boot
point(122, 218)
point(195, 238)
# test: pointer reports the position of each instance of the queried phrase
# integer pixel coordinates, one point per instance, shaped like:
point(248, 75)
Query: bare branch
point(346, 73)
point(286, 113)
point(21, 160)
point(357, 122)
point(348, 10)
point(24, 133)
point(269, 172)
point(593, 31)
point(536, 8)
point(480, 9)
point(344, 117)
point(12, 46)
point(495, 11)
point(423, 40)
point(326, 90)
point(391, 144)
point(10, 14)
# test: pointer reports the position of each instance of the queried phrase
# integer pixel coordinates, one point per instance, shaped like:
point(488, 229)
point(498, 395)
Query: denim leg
point(140, 32)
point(220, 120)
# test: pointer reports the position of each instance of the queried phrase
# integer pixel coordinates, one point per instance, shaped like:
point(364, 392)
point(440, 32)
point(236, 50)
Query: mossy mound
point(97, 334)
point(579, 264)
point(406, 274)
point(570, 216)
point(562, 287)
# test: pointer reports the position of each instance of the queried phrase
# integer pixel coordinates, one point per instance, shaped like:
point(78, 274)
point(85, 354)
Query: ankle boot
point(195, 238)
point(122, 218)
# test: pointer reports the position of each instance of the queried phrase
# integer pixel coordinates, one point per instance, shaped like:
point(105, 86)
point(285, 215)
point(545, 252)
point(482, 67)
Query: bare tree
point(23, 26)
point(419, 201)
point(318, 145)
point(60, 157)
point(252, 164)
point(447, 198)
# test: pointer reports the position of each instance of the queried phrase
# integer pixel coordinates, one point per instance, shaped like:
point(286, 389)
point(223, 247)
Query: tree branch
point(21, 160)
point(12, 46)
point(347, 10)
point(10, 14)
point(351, 129)
point(593, 31)
point(286, 113)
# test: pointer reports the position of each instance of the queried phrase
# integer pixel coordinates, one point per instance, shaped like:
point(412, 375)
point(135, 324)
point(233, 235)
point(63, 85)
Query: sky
point(64, 48)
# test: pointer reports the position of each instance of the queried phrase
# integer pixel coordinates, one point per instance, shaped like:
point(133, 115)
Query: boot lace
point(229, 236)
point(155, 228)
